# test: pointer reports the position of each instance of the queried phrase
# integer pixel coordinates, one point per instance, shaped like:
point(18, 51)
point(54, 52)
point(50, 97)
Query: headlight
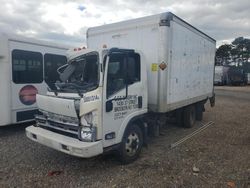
point(87, 134)
point(88, 128)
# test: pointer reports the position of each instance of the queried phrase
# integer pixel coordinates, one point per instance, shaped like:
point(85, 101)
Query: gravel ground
point(221, 153)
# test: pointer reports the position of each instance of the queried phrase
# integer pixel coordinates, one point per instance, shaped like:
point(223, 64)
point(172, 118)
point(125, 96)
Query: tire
point(131, 144)
point(179, 117)
point(189, 116)
point(199, 112)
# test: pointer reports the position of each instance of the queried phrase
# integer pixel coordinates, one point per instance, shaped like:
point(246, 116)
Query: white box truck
point(27, 66)
point(112, 94)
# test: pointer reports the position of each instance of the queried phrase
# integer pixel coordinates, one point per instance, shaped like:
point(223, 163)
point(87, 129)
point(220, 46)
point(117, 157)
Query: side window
point(51, 63)
point(134, 68)
point(27, 67)
point(116, 73)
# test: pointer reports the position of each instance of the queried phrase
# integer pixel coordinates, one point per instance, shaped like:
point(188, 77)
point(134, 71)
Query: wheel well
point(140, 124)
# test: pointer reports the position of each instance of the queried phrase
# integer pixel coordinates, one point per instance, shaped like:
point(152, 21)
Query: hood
point(56, 105)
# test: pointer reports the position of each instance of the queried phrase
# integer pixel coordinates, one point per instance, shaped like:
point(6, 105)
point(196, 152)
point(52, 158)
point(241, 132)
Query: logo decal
point(27, 95)
point(91, 98)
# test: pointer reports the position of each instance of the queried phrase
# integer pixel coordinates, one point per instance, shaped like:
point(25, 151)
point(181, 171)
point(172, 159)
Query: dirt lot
point(221, 153)
point(235, 88)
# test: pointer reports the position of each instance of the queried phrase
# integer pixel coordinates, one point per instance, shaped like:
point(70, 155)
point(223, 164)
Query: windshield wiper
point(65, 85)
point(54, 89)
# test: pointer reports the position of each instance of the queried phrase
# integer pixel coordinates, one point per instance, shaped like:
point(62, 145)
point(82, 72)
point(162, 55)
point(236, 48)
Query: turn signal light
point(79, 49)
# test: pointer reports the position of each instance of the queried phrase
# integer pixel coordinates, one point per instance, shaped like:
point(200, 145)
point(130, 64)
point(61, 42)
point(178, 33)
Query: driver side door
point(122, 86)
point(114, 88)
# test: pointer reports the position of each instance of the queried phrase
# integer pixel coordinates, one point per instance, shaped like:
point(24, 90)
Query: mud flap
point(145, 135)
point(212, 100)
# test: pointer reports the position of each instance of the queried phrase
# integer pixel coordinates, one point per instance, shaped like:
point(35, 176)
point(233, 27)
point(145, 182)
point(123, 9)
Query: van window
point(51, 63)
point(27, 67)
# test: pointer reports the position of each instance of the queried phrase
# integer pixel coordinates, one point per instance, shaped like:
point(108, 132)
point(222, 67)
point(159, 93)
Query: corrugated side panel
point(190, 70)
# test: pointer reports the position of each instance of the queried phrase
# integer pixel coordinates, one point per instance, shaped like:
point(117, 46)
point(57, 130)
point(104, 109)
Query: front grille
point(60, 132)
point(64, 128)
point(40, 119)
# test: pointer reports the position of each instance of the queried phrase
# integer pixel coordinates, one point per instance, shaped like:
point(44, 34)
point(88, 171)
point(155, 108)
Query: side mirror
point(109, 106)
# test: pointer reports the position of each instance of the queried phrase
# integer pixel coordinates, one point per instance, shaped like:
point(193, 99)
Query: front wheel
point(131, 144)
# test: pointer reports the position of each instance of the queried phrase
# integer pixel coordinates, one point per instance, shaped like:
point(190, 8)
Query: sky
point(66, 22)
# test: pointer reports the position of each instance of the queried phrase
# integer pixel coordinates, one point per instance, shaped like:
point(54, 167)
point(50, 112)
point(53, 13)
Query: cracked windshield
point(80, 74)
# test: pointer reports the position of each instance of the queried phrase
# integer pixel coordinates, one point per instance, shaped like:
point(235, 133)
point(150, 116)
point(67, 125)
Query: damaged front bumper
point(64, 143)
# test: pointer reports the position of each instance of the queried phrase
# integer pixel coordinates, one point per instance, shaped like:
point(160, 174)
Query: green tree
point(242, 47)
point(238, 51)
point(223, 53)
point(238, 40)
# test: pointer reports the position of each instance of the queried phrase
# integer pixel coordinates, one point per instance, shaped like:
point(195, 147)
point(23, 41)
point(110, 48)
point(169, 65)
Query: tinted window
point(51, 63)
point(27, 67)
point(116, 74)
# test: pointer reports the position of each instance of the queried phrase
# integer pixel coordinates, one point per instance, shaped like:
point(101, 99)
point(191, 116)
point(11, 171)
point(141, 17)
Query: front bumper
point(63, 143)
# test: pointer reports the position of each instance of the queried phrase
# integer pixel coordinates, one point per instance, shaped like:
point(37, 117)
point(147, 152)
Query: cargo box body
point(185, 53)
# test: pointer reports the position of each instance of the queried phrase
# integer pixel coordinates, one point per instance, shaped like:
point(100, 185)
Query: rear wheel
point(179, 117)
point(189, 116)
point(131, 144)
point(199, 111)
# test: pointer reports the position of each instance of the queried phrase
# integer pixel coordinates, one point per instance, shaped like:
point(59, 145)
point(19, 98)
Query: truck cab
point(100, 95)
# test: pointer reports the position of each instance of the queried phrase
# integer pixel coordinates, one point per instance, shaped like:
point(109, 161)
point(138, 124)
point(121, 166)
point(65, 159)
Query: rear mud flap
point(212, 100)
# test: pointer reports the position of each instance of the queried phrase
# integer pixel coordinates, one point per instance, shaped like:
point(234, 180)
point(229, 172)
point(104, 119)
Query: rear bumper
point(63, 143)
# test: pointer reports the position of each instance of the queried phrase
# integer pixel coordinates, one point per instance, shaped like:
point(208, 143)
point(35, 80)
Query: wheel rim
point(132, 144)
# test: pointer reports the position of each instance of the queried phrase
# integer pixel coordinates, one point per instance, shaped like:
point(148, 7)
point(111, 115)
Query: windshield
point(81, 74)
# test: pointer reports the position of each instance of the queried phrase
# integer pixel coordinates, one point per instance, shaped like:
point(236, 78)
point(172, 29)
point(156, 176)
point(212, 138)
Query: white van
point(27, 67)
